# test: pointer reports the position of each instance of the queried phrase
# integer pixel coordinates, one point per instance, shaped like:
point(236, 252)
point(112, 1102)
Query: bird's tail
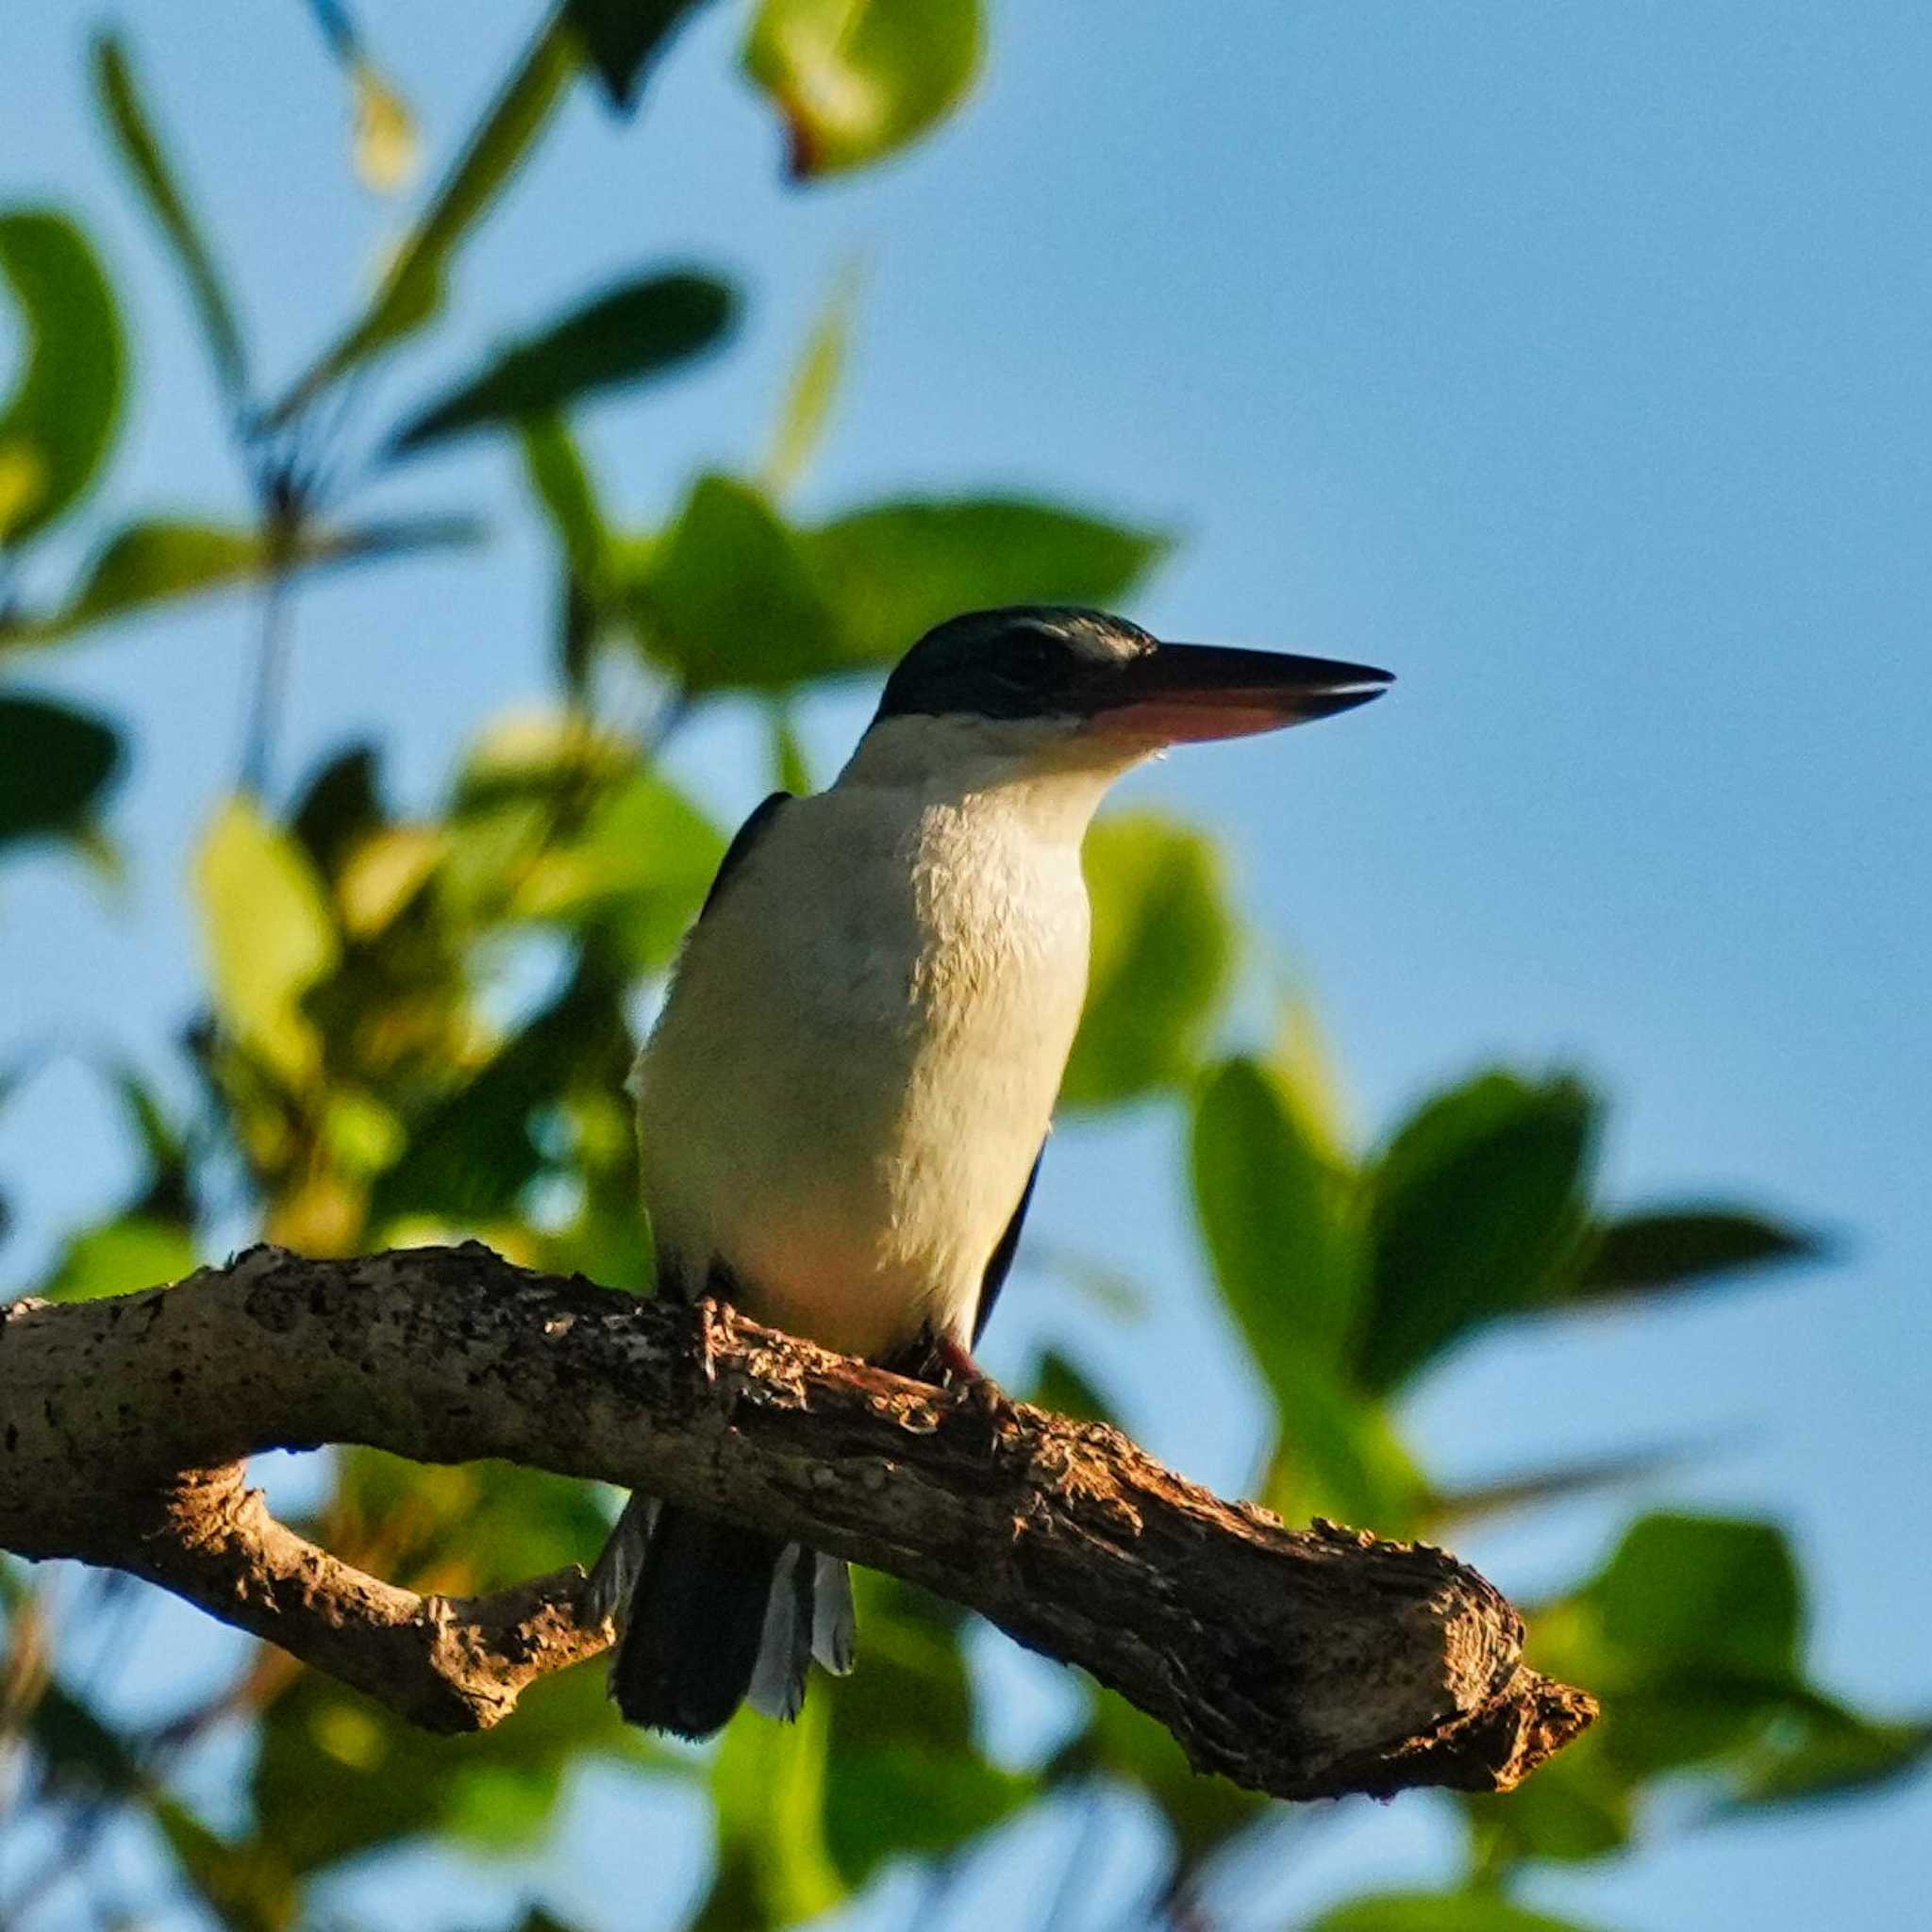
point(717, 1614)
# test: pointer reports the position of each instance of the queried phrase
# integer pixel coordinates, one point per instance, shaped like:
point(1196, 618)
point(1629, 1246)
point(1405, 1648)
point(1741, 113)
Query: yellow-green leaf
point(1162, 959)
point(857, 79)
point(812, 389)
point(268, 934)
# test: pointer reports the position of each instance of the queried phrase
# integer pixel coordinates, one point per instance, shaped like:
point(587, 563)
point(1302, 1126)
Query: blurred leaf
point(1304, 1070)
point(561, 483)
point(1822, 1750)
point(460, 1529)
point(80, 1752)
point(857, 79)
point(893, 571)
point(725, 599)
point(1437, 1911)
point(640, 329)
point(1479, 1200)
point(56, 426)
point(385, 148)
point(336, 1777)
point(906, 1770)
point(557, 823)
point(270, 937)
point(813, 387)
point(120, 1256)
point(1060, 1386)
point(1280, 1223)
point(56, 771)
point(1580, 1805)
point(1536, 1488)
point(246, 1885)
point(140, 152)
point(1668, 1249)
point(787, 761)
point(1702, 1593)
point(622, 37)
point(162, 559)
point(1201, 1813)
point(768, 1784)
point(470, 1155)
point(339, 808)
point(1162, 959)
point(411, 291)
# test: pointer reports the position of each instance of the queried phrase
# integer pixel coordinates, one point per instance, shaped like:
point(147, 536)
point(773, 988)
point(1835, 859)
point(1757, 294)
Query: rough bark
point(1305, 1664)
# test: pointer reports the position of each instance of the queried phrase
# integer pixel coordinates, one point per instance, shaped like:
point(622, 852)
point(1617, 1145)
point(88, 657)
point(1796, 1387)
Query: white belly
point(858, 1062)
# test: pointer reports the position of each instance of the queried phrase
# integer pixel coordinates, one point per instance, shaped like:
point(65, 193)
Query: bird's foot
point(960, 1372)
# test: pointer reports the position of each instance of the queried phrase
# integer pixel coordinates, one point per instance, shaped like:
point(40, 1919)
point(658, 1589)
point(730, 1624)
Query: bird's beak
point(1181, 693)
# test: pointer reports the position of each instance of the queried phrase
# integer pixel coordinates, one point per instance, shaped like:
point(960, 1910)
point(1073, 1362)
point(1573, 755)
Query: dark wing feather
point(1000, 1264)
point(748, 835)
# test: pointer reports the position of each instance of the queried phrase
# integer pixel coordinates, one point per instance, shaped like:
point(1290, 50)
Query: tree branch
point(1302, 1664)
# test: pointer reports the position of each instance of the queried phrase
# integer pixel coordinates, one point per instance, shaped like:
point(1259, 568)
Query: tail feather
point(713, 1616)
point(697, 1619)
point(777, 1684)
point(834, 1623)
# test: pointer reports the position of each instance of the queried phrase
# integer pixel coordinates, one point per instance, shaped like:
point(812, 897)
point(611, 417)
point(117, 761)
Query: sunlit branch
point(1305, 1664)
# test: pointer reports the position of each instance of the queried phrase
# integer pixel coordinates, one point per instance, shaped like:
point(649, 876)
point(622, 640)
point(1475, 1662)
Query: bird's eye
point(1030, 659)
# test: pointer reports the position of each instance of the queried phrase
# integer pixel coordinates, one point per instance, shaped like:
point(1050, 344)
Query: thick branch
point(1302, 1664)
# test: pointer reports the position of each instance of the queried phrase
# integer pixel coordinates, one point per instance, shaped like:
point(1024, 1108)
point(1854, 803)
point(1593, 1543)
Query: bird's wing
point(1001, 1262)
point(739, 850)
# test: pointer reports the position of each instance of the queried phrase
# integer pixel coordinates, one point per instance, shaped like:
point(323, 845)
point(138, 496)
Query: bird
point(844, 1100)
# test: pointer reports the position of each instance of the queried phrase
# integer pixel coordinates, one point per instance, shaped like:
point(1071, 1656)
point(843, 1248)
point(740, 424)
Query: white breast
point(859, 1058)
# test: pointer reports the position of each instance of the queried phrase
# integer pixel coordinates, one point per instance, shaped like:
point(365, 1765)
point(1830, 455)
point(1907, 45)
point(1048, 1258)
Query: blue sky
point(1569, 359)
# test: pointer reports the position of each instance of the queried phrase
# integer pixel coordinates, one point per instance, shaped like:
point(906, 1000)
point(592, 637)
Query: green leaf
point(857, 79)
point(1703, 1595)
point(56, 767)
point(724, 599)
point(561, 483)
point(1823, 1750)
point(270, 935)
point(56, 426)
point(163, 559)
point(1280, 1223)
point(813, 387)
point(1162, 959)
point(893, 571)
point(556, 823)
point(134, 1252)
point(905, 1764)
point(640, 328)
point(335, 1776)
point(768, 1785)
point(1437, 1911)
point(1669, 1249)
point(244, 1883)
point(1478, 1204)
point(1201, 1813)
point(1580, 1805)
point(1061, 1387)
point(1537, 1488)
point(622, 37)
point(412, 288)
point(140, 151)
point(789, 768)
point(341, 807)
point(473, 1153)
